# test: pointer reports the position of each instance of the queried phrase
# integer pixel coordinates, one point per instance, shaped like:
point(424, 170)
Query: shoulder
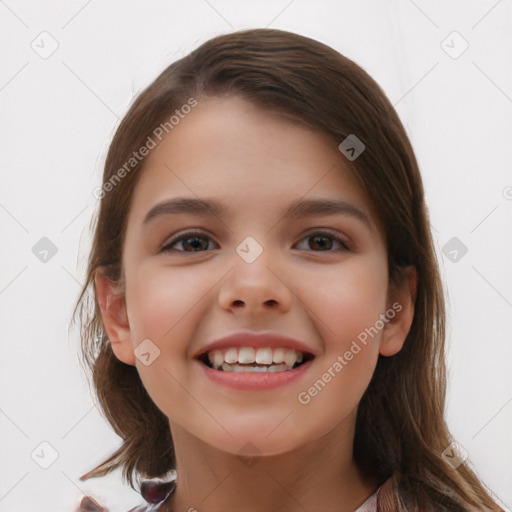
point(389, 500)
point(89, 504)
point(154, 493)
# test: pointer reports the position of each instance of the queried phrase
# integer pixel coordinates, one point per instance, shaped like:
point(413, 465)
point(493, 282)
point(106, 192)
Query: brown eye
point(323, 242)
point(190, 242)
point(320, 242)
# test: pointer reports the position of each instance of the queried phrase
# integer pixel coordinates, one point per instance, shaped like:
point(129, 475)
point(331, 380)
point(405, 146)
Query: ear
point(401, 300)
point(112, 301)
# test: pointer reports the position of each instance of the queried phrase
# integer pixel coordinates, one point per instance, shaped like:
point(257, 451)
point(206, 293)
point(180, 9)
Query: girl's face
point(317, 276)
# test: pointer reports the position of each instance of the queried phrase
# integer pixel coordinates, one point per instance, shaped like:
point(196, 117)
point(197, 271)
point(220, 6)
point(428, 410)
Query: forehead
point(249, 157)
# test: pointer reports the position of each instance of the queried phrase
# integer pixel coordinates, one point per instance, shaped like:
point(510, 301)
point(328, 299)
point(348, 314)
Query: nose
point(257, 287)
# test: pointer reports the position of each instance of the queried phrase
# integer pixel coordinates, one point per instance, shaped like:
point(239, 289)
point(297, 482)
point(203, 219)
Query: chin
point(254, 442)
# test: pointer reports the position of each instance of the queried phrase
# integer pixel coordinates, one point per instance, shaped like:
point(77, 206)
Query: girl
point(268, 325)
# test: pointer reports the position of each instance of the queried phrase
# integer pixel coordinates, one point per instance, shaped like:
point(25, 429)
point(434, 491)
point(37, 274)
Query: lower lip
point(255, 381)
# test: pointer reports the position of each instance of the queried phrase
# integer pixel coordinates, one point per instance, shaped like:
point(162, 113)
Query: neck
point(320, 476)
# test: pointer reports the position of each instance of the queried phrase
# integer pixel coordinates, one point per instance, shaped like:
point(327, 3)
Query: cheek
point(349, 301)
point(162, 306)
point(161, 302)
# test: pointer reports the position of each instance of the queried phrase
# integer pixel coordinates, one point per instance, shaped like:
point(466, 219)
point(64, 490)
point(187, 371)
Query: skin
point(257, 163)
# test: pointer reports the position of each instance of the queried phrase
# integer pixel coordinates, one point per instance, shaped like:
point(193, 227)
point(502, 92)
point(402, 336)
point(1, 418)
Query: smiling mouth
point(251, 359)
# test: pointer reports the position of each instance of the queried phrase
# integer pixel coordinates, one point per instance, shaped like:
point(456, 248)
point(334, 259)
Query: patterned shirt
point(156, 493)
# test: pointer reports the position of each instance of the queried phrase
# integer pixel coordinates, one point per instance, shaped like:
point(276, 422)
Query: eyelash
point(196, 234)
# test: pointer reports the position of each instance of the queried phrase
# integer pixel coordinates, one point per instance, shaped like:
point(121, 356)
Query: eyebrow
point(298, 209)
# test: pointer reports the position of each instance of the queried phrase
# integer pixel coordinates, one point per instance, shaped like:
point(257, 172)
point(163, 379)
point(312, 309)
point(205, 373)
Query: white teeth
point(264, 356)
point(246, 355)
point(290, 357)
point(231, 355)
point(254, 360)
point(218, 358)
point(258, 369)
point(278, 356)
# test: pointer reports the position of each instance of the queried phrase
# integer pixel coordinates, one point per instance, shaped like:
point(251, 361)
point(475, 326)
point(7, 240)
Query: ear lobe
point(112, 302)
point(401, 302)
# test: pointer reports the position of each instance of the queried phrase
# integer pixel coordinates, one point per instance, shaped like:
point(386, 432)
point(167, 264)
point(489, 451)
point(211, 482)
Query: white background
point(59, 114)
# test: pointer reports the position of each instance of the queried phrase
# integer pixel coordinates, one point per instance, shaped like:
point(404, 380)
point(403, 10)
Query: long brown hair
point(400, 427)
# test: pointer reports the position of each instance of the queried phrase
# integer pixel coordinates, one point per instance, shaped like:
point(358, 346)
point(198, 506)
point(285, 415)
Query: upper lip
point(257, 340)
